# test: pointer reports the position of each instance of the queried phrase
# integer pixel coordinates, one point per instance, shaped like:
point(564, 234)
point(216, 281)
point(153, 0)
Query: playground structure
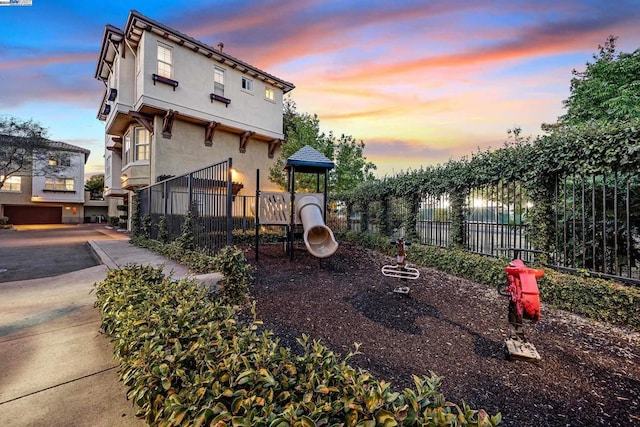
point(401, 269)
point(304, 209)
point(524, 304)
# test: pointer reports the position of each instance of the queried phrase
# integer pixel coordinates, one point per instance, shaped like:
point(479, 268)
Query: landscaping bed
point(589, 373)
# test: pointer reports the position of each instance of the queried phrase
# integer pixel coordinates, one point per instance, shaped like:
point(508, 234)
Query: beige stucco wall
point(75, 171)
point(72, 213)
point(22, 197)
point(195, 75)
point(186, 152)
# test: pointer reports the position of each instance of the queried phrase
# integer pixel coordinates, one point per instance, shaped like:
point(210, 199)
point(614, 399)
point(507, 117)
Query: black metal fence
point(207, 193)
point(596, 224)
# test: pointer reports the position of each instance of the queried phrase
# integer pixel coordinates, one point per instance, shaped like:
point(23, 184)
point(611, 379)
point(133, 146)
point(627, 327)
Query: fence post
point(383, 216)
point(229, 204)
point(458, 222)
point(411, 220)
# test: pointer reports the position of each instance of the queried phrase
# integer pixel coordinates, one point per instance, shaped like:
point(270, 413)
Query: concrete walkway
point(56, 368)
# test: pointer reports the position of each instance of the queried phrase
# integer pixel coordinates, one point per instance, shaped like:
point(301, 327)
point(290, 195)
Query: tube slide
point(317, 236)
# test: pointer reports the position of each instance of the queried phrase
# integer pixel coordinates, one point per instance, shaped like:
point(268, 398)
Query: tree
point(607, 90)
point(24, 148)
point(95, 186)
point(303, 129)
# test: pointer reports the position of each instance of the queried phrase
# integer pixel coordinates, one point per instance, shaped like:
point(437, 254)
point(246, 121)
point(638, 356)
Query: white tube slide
point(318, 238)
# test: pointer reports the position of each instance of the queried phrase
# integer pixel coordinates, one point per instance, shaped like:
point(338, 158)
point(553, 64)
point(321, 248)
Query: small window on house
point(59, 184)
point(59, 161)
point(12, 183)
point(142, 144)
point(218, 79)
point(164, 61)
point(127, 148)
point(247, 84)
point(270, 94)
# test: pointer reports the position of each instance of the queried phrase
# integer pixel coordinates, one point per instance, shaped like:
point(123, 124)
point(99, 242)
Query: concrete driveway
point(56, 368)
point(36, 251)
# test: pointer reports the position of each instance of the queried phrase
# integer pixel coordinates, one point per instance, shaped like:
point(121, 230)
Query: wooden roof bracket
point(143, 119)
point(244, 139)
point(167, 123)
point(273, 144)
point(209, 132)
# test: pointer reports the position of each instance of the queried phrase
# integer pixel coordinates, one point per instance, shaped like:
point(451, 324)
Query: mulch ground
point(589, 374)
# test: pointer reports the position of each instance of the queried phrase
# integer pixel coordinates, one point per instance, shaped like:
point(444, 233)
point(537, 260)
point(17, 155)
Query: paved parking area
point(32, 252)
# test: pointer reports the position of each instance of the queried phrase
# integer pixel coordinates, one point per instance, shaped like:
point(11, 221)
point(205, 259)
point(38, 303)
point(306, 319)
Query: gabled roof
point(137, 23)
point(55, 145)
point(308, 159)
point(63, 146)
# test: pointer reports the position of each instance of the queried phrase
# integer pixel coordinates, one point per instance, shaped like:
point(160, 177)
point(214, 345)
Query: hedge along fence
point(588, 149)
point(189, 359)
point(597, 299)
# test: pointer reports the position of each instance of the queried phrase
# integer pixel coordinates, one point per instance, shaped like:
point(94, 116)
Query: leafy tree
point(303, 129)
point(607, 90)
point(24, 148)
point(95, 186)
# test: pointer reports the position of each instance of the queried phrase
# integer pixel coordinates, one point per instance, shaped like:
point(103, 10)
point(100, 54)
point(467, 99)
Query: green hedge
point(230, 261)
point(595, 298)
point(188, 359)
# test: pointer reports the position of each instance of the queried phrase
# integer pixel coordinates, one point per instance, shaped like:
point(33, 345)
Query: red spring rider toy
point(524, 303)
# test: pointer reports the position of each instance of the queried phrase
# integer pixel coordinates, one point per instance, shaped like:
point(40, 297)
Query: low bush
point(597, 299)
point(248, 237)
point(189, 359)
point(230, 261)
point(4, 222)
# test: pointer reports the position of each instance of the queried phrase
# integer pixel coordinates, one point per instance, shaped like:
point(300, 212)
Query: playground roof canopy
point(308, 159)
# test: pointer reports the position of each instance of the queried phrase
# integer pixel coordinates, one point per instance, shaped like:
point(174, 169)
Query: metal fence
point(596, 224)
point(207, 193)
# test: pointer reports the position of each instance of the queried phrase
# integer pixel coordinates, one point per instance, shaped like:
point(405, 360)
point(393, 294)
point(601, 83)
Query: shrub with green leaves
point(189, 359)
point(187, 240)
point(163, 230)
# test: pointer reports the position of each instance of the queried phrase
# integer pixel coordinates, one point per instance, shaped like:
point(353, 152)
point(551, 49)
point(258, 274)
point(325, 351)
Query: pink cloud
point(55, 59)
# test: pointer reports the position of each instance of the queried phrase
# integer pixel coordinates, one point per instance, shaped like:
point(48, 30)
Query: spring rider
point(402, 269)
point(524, 304)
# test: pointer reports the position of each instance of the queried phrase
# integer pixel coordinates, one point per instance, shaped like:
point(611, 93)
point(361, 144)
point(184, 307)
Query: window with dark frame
point(247, 84)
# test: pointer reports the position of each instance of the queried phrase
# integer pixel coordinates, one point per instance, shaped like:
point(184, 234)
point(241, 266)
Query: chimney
point(220, 46)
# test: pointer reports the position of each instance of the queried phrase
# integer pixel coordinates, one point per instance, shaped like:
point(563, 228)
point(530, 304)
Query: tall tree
point(303, 129)
point(95, 186)
point(24, 148)
point(607, 90)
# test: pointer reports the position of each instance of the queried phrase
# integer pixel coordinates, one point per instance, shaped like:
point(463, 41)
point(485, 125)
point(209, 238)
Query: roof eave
point(221, 56)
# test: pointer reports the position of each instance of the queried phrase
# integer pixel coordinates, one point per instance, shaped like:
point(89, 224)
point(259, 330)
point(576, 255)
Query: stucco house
point(51, 191)
point(173, 104)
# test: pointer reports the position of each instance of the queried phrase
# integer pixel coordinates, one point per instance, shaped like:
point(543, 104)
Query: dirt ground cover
point(589, 374)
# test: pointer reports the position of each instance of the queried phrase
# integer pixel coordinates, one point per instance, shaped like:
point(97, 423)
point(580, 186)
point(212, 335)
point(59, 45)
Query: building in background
point(51, 191)
point(173, 105)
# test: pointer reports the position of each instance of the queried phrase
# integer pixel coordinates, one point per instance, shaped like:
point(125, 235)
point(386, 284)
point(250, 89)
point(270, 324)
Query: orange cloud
point(41, 61)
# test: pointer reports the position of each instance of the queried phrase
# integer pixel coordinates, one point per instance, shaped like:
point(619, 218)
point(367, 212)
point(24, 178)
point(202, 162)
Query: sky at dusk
point(420, 82)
